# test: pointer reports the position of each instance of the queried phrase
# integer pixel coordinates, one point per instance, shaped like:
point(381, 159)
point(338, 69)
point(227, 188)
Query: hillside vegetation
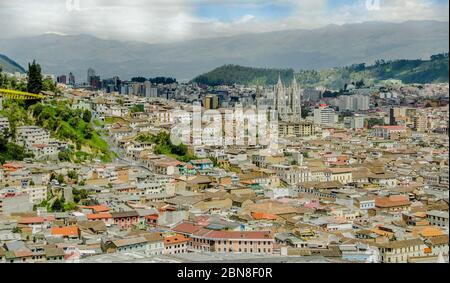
point(63, 123)
point(234, 74)
point(434, 70)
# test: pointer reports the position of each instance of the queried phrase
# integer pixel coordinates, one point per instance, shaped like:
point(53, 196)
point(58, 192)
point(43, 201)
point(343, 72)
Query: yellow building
point(302, 129)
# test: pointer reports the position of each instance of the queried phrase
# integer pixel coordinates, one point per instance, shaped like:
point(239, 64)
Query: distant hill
point(234, 74)
point(9, 65)
point(300, 49)
point(434, 70)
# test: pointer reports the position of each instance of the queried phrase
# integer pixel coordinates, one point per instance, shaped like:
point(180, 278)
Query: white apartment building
point(355, 122)
point(29, 135)
point(291, 174)
point(438, 218)
point(353, 102)
point(40, 150)
point(324, 115)
point(37, 194)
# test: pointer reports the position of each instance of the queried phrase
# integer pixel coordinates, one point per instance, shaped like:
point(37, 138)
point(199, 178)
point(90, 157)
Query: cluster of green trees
point(11, 151)
point(11, 82)
point(137, 108)
point(56, 203)
point(234, 74)
point(163, 145)
point(156, 80)
point(35, 83)
point(66, 123)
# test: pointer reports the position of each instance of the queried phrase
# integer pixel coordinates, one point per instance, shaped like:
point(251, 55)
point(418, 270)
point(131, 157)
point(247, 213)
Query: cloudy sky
point(174, 20)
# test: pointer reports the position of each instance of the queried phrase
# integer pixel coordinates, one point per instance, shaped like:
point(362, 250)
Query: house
point(389, 132)
point(392, 203)
point(438, 218)
point(125, 219)
point(164, 166)
point(400, 251)
point(364, 203)
point(126, 245)
point(16, 252)
point(19, 256)
point(54, 254)
point(175, 244)
point(29, 135)
point(198, 183)
point(93, 227)
point(106, 217)
point(71, 232)
point(93, 208)
point(343, 175)
point(202, 164)
point(257, 242)
point(437, 245)
point(155, 243)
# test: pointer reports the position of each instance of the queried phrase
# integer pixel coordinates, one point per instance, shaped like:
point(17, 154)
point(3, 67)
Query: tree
point(58, 205)
point(64, 155)
point(60, 178)
point(88, 131)
point(87, 116)
point(16, 230)
point(35, 83)
point(49, 85)
point(137, 108)
point(72, 175)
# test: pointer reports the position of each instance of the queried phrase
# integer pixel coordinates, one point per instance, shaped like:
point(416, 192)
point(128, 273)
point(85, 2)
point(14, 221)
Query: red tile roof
point(31, 220)
point(392, 201)
point(66, 231)
point(102, 215)
point(262, 215)
point(170, 240)
point(186, 228)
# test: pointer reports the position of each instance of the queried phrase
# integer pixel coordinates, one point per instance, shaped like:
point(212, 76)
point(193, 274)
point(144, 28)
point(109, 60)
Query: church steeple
point(279, 83)
point(294, 84)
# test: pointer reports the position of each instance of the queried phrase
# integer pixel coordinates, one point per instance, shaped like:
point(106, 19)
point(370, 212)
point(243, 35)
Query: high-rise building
point(353, 102)
point(62, 79)
point(355, 122)
point(211, 102)
point(71, 79)
point(392, 117)
point(324, 115)
point(95, 82)
point(421, 122)
point(90, 74)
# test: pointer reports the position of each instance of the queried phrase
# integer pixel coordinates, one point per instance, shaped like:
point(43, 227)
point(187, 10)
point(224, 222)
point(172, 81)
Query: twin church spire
point(288, 100)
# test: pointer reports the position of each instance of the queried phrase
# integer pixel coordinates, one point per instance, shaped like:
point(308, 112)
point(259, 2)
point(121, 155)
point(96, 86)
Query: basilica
point(285, 99)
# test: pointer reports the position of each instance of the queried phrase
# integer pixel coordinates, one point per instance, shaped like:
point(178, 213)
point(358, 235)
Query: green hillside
point(434, 70)
point(64, 123)
point(8, 65)
point(234, 74)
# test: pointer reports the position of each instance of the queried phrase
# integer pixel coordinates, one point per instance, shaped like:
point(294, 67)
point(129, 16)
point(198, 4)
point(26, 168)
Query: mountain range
point(9, 65)
point(330, 46)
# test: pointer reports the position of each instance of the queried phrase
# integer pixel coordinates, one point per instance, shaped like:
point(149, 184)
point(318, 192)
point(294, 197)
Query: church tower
point(280, 96)
point(296, 103)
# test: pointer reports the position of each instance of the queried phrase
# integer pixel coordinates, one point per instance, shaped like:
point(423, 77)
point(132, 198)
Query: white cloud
point(171, 20)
